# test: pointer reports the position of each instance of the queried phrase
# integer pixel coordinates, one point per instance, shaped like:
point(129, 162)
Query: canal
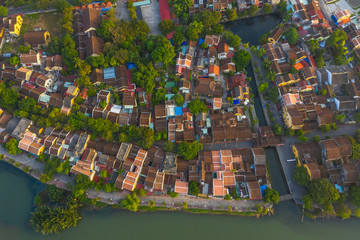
point(263, 25)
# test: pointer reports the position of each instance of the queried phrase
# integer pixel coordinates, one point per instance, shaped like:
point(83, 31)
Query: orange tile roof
point(218, 187)
point(181, 187)
point(229, 179)
point(214, 69)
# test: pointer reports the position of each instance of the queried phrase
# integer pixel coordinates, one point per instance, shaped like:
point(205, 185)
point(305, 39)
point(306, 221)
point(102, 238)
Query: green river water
point(17, 190)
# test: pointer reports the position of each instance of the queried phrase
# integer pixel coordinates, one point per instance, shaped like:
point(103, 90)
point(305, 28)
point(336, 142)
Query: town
point(159, 99)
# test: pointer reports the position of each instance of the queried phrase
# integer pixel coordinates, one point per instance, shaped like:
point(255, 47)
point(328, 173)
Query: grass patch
point(46, 21)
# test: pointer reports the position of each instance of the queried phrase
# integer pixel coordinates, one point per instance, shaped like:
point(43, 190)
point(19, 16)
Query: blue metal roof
point(109, 73)
point(178, 111)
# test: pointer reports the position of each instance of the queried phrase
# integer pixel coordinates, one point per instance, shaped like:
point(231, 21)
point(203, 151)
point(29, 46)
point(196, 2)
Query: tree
point(103, 30)
point(189, 150)
point(104, 174)
point(313, 45)
point(357, 117)
point(12, 147)
point(145, 76)
point(242, 59)
point(354, 195)
point(325, 128)
point(15, 60)
point(274, 94)
point(253, 9)
point(336, 42)
point(166, 26)
point(307, 200)
point(271, 195)
point(217, 29)
point(3, 11)
point(193, 31)
point(322, 191)
point(263, 87)
point(181, 8)
point(231, 14)
point(179, 99)
point(303, 139)
point(267, 8)
point(169, 147)
point(55, 194)
point(164, 52)
point(151, 204)
point(289, 132)
point(329, 208)
point(343, 211)
point(277, 129)
point(197, 106)
point(233, 40)
point(299, 132)
point(194, 188)
point(131, 202)
point(323, 92)
point(316, 138)
point(301, 176)
point(53, 220)
point(38, 201)
point(159, 96)
point(292, 35)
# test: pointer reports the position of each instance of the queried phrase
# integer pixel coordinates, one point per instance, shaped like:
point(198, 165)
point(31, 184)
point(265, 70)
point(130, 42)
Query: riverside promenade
point(65, 182)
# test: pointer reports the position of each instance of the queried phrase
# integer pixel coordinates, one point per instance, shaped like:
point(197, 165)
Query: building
point(37, 39)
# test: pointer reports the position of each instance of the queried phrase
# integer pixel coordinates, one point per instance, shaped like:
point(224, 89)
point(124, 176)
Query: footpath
point(65, 182)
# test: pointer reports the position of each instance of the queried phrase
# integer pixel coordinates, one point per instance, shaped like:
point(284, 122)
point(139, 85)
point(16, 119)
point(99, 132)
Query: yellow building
point(293, 119)
point(15, 24)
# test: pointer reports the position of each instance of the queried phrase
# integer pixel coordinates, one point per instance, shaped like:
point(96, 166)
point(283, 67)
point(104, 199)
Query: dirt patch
point(46, 21)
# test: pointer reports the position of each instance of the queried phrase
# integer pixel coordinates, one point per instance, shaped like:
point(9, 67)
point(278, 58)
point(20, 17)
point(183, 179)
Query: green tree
point(325, 128)
point(271, 195)
point(253, 9)
point(131, 202)
point(343, 211)
point(322, 191)
point(231, 14)
point(55, 194)
point(189, 150)
point(323, 92)
point(299, 132)
point(316, 138)
point(196, 106)
point(233, 40)
point(38, 201)
point(164, 52)
point(267, 8)
point(12, 147)
point(193, 31)
point(292, 35)
point(277, 129)
point(329, 208)
point(194, 188)
point(313, 45)
point(179, 35)
point(217, 29)
point(15, 60)
point(354, 195)
point(301, 176)
point(263, 87)
point(307, 200)
point(104, 174)
point(289, 132)
point(274, 94)
point(151, 204)
point(336, 42)
point(181, 8)
point(103, 30)
point(169, 147)
point(3, 11)
point(241, 59)
point(166, 26)
point(357, 117)
point(179, 99)
point(53, 220)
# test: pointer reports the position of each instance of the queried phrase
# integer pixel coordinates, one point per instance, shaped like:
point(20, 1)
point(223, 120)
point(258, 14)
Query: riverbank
point(113, 198)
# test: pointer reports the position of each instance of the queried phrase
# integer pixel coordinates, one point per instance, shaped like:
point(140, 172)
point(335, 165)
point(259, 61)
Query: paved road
point(232, 145)
point(151, 15)
point(121, 11)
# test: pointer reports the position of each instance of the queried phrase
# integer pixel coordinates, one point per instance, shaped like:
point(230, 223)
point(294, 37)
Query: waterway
point(17, 190)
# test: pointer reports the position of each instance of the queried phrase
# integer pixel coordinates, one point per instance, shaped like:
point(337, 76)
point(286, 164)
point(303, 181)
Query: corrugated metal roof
point(109, 73)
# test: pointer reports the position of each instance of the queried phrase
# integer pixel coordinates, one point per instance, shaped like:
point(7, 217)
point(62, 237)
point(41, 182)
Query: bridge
point(285, 197)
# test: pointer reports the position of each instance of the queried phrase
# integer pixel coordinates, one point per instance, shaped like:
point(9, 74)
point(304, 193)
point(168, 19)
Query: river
point(17, 190)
